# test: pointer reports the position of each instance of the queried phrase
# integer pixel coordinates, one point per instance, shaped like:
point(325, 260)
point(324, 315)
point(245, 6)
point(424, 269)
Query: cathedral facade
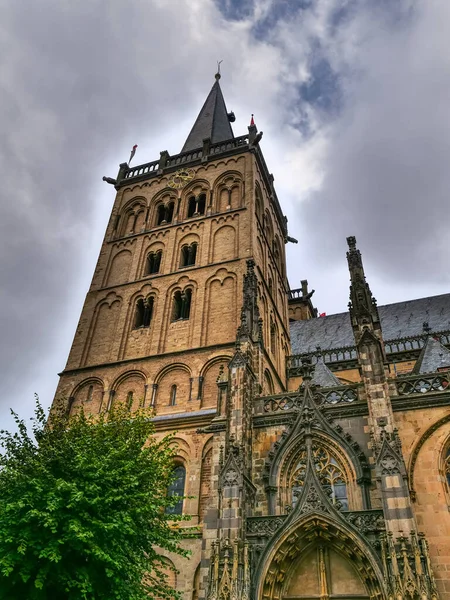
point(314, 451)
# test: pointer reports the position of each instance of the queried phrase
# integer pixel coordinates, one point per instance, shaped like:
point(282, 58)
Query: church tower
point(191, 275)
point(314, 452)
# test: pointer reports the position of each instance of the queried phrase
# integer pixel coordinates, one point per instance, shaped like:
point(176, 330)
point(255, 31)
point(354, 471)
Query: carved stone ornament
point(231, 477)
point(313, 502)
point(389, 465)
point(367, 522)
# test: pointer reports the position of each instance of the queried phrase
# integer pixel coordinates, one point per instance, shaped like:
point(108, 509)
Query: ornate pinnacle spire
point(251, 323)
point(362, 306)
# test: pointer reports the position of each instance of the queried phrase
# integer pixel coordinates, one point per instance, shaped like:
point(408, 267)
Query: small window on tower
point(165, 213)
point(181, 305)
point(196, 205)
point(90, 392)
point(188, 255)
point(153, 262)
point(144, 312)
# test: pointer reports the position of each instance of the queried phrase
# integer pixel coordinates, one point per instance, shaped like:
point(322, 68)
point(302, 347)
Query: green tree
point(83, 508)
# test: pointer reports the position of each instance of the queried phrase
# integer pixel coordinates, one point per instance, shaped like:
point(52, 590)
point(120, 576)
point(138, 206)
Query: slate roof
point(323, 376)
point(402, 319)
point(434, 356)
point(212, 121)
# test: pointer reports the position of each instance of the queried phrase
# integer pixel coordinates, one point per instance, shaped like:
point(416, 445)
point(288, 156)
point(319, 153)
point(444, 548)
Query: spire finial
point(217, 75)
point(252, 120)
point(351, 241)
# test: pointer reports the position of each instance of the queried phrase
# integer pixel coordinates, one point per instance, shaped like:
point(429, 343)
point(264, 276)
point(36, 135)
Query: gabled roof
point(434, 356)
point(402, 319)
point(323, 376)
point(212, 121)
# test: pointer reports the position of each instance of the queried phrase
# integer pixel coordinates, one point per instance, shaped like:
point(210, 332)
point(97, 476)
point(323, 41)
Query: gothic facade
point(315, 451)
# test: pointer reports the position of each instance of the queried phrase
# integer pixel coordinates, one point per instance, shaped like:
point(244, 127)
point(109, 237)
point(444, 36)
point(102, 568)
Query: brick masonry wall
point(432, 503)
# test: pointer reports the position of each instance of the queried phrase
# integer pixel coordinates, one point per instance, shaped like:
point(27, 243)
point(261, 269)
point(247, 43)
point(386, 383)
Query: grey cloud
point(80, 84)
point(386, 176)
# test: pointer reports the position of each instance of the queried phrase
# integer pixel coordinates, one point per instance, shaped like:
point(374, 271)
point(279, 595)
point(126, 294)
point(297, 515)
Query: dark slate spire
point(213, 121)
point(434, 356)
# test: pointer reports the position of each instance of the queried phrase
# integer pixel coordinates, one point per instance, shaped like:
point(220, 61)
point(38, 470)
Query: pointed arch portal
point(319, 559)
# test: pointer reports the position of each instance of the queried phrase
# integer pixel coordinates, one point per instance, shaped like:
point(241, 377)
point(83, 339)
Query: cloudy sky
point(353, 97)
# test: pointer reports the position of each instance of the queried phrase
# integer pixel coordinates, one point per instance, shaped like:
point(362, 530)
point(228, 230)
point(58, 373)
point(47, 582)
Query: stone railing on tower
point(198, 156)
point(185, 158)
point(142, 170)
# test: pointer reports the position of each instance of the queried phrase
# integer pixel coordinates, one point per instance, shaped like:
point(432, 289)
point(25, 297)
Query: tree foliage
point(82, 508)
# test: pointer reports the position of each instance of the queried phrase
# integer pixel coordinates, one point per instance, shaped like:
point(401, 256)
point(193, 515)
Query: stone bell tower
point(187, 314)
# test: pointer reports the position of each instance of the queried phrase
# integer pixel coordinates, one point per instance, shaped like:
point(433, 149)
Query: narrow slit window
point(89, 393)
point(173, 395)
point(129, 400)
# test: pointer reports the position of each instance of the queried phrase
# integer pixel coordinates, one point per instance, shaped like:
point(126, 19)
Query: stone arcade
point(316, 450)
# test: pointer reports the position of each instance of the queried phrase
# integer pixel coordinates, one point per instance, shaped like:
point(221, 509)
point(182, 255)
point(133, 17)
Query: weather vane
point(218, 65)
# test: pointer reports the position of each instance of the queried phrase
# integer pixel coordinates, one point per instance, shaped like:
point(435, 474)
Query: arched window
point(165, 213)
point(330, 473)
point(196, 205)
point(153, 262)
point(188, 255)
point(181, 304)
point(173, 395)
point(144, 312)
point(176, 488)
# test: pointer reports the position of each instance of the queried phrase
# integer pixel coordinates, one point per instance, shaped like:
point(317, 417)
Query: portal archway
point(319, 558)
